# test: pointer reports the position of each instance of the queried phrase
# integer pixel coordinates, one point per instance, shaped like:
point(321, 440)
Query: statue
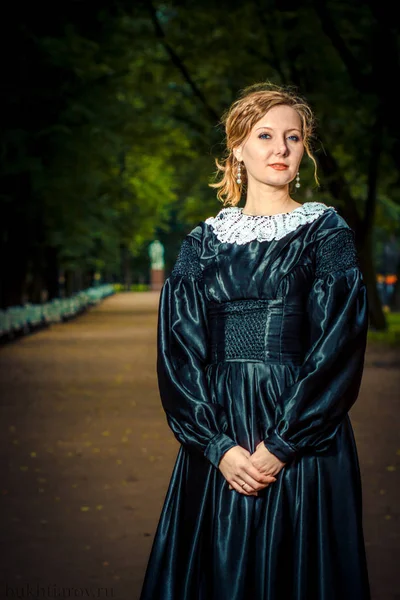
point(156, 254)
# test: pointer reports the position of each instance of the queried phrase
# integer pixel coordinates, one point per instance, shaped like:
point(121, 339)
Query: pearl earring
point(298, 180)
point(239, 175)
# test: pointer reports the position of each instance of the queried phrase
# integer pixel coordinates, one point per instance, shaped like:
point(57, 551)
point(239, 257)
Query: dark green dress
point(261, 336)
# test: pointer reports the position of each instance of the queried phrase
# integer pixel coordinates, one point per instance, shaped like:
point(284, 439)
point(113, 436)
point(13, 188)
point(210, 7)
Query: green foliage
point(116, 144)
point(391, 336)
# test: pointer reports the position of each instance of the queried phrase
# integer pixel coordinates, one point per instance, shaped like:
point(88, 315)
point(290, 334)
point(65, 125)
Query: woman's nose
point(281, 147)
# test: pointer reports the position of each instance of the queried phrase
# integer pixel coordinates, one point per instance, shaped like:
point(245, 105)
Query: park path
point(86, 456)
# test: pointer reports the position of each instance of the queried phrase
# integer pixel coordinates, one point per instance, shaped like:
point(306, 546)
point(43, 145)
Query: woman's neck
point(269, 201)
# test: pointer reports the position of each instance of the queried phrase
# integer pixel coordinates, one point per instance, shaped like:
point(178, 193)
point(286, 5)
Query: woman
point(261, 340)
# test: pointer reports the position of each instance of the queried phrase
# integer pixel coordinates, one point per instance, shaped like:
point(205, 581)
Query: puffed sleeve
point(309, 412)
point(182, 351)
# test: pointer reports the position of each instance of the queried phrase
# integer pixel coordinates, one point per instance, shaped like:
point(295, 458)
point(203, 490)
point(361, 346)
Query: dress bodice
point(245, 257)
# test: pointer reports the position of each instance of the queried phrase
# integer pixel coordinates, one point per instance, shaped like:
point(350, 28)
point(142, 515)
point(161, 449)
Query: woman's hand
point(266, 462)
point(237, 468)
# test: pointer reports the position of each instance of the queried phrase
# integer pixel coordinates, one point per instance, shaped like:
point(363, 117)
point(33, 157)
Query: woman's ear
point(237, 153)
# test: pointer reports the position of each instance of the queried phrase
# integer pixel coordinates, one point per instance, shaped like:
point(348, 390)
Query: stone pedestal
point(156, 279)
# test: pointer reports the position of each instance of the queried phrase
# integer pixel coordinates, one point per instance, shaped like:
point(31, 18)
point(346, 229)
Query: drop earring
point(298, 180)
point(239, 174)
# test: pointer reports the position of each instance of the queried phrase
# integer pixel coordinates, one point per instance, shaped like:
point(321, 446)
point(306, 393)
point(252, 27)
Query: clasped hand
point(249, 473)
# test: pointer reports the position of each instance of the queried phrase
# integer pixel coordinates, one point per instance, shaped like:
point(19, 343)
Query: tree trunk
point(377, 317)
point(69, 283)
point(51, 274)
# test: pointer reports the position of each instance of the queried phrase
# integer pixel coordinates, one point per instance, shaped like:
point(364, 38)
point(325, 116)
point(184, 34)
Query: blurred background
point(110, 124)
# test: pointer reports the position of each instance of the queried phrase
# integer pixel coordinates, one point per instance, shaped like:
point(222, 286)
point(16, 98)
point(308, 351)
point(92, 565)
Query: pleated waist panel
point(265, 330)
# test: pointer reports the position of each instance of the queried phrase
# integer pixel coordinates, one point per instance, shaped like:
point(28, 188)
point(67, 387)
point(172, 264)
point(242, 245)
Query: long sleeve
point(310, 411)
point(182, 352)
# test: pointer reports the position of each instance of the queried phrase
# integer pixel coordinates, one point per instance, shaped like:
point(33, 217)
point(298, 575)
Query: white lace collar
point(232, 226)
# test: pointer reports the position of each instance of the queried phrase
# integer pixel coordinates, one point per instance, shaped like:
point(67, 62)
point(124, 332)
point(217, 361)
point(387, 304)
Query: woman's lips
point(279, 167)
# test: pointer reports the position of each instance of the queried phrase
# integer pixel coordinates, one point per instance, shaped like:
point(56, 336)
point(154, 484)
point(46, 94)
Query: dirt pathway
point(86, 456)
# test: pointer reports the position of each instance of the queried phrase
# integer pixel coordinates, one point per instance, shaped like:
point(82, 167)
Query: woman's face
point(273, 151)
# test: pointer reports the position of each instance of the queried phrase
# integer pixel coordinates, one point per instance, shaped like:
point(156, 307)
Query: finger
point(251, 484)
point(257, 483)
point(255, 474)
point(245, 492)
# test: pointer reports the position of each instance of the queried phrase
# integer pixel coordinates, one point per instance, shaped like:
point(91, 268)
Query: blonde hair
point(253, 103)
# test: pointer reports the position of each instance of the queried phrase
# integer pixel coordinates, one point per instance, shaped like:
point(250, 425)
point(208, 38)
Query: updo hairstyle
point(253, 103)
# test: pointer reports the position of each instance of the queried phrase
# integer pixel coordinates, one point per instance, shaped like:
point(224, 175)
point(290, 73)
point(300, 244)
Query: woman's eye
point(265, 136)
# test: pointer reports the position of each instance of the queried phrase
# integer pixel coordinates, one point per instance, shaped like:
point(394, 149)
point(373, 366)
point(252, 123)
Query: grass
point(392, 334)
point(135, 287)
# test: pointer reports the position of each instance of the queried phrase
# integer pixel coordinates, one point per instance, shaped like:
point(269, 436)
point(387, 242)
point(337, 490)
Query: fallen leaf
point(15, 442)
point(57, 498)
point(88, 443)
point(390, 468)
point(33, 454)
point(105, 433)
point(387, 517)
point(99, 507)
point(23, 468)
point(85, 508)
point(74, 485)
point(125, 439)
point(129, 430)
point(12, 429)
point(96, 450)
point(118, 461)
point(105, 563)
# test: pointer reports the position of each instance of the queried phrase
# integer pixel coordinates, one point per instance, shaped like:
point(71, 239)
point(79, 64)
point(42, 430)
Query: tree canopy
point(111, 116)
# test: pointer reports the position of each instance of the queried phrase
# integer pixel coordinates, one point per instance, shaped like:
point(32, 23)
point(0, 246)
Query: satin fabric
point(302, 537)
